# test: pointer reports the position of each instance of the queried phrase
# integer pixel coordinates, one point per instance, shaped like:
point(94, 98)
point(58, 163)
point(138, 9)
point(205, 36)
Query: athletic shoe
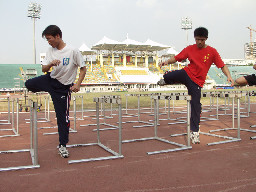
point(194, 136)
point(63, 151)
point(161, 82)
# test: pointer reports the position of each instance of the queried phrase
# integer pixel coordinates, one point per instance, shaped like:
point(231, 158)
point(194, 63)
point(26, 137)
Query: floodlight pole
point(186, 24)
point(34, 10)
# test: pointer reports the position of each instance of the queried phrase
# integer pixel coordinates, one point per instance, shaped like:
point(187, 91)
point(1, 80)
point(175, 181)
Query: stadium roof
point(171, 51)
point(128, 45)
point(85, 50)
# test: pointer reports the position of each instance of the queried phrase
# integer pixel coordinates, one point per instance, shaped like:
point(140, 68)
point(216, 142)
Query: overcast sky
point(87, 21)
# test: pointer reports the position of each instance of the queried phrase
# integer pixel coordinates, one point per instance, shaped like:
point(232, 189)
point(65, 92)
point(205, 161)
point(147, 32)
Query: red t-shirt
point(200, 62)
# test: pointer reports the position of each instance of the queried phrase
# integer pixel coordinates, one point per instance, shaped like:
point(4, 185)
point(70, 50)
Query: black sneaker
point(161, 82)
point(63, 151)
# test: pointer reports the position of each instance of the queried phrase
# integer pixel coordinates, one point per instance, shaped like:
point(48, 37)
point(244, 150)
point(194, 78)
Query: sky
point(87, 21)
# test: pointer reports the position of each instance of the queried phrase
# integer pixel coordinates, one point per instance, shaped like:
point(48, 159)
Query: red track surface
point(223, 168)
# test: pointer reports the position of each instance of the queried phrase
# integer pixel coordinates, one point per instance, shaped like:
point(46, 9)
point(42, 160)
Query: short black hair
point(201, 32)
point(53, 30)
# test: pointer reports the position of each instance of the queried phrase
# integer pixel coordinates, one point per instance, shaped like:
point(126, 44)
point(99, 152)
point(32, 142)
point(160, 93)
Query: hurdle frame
point(110, 126)
point(156, 118)
point(114, 155)
point(15, 131)
point(3, 121)
point(145, 123)
point(74, 124)
point(33, 143)
point(233, 95)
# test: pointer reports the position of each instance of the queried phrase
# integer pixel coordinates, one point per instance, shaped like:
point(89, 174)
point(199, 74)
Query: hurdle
point(146, 123)
point(114, 155)
point(179, 121)
point(210, 95)
point(33, 143)
point(47, 113)
point(156, 117)
point(111, 108)
point(46, 117)
point(8, 121)
point(250, 93)
point(15, 131)
point(233, 95)
point(71, 130)
point(109, 126)
point(168, 112)
point(75, 97)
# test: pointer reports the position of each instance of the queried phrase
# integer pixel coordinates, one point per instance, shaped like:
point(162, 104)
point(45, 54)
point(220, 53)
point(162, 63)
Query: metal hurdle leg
point(47, 112)
point(178, 120)
point(71, 130)
point(8, 121)
point(75, 106)
point(115, 155)
point(126, 106)
point(15, 131)
point(249, 108)
point(246, 102)
point(238, 117)
point(146, 123)
point(229, 139)
point(45, 119)
point(34, 143)
point(82, 107)
point(208, 94)
point(168, 113)
point(156, 117)
point(74, 111)
point(109, 126)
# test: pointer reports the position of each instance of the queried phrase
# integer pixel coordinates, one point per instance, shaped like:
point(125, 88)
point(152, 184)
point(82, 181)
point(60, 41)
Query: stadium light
point(34, 11)
point(186, 24)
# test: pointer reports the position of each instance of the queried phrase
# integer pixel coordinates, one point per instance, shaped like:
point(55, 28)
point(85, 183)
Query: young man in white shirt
point(59, 83)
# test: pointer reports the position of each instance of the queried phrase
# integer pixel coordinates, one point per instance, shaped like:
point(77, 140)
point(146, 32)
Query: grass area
point(132, 100)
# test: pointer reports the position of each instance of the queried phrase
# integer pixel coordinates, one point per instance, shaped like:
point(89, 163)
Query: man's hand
point(163, 64)
point(55, 63)
point(230, 80)
point(75, 88)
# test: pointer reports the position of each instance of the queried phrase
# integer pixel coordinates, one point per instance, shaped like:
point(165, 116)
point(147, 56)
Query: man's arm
point(46, 68)
point(254, 66)
point(169, 61)
point(76, 87)
point(241, 81)
point(225, 70)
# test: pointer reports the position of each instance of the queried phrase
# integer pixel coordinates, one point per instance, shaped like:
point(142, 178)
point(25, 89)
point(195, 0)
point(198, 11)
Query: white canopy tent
point(154, 46)
point(87, 51)
point(128, 45)
point(171, 51)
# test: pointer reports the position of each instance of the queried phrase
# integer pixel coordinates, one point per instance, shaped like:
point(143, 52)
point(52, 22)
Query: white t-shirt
point(70, 59)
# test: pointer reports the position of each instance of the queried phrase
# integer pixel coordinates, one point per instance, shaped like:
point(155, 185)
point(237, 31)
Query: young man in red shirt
point(201, 57)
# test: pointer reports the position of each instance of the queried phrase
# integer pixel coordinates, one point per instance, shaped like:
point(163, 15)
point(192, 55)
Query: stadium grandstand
point(111, 66)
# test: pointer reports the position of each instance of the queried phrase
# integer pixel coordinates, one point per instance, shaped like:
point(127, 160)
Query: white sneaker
point(194, 136)
point(63, 151)
point(161, 82)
